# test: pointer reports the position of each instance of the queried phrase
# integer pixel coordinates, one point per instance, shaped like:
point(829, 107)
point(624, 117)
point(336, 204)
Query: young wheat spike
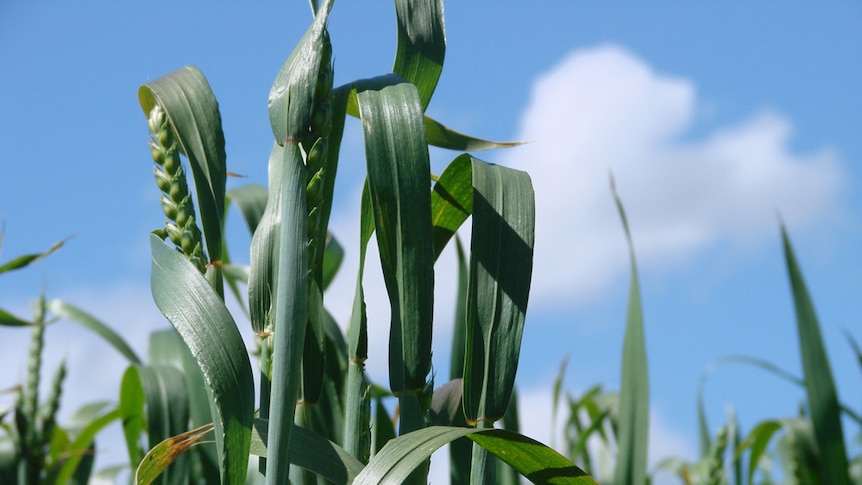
point(176, 200)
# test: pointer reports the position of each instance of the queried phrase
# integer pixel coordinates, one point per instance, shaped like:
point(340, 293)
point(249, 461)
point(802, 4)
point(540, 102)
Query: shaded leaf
point(501, 264)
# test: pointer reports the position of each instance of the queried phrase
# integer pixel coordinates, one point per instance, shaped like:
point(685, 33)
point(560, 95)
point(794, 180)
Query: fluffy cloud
point(603, 110)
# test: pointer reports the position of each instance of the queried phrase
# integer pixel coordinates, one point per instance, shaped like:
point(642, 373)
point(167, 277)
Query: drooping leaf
point(421, 45)
point(194, 116)
point(632, 436)
point(537, 462)
point(399, 182)
point(444, 137)
point(820, 388)
point(501, 264)
point(68, 311)
point(199, 315)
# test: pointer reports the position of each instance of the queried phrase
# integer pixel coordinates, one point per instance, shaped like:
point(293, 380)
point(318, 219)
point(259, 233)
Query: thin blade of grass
point(442, 136)
point(632, 436)
point(28, 259)
point(71, 312)
point(819, 385)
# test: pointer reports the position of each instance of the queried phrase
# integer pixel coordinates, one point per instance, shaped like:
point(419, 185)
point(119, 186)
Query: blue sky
point(713, 118)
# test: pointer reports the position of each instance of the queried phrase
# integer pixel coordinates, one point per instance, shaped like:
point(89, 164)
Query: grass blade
point(631, 465)
point(399, 180)
point(442, 136)
point(79, 316)
point(819, 385)
point(537, 462)
point(28, 259)
point(421, 45)
point(193, 113)
point(199, 315)
point(501, 264)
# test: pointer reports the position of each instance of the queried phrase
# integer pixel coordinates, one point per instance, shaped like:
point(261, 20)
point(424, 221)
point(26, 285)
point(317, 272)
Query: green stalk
point(483, 469)
point(291, 315)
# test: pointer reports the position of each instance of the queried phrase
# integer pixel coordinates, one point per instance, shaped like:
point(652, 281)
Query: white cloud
point(603, 110)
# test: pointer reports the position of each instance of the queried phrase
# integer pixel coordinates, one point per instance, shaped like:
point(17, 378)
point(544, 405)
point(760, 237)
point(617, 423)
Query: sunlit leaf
point(194, 116)
point(632, 436)
point(208, 330)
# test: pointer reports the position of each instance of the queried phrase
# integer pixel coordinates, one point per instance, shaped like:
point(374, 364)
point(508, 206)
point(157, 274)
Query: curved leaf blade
point(199, 315)
point(86, 320)
point(193, 112)
point(537, 462)
point(421, 44)
point(501, 265)
point(399, 180)
point(631, 465)
point(442, 136)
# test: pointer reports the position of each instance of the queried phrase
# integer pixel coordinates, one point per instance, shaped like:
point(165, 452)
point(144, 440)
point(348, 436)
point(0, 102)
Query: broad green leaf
point(399, 180)
point(444, 137)
point(70, 312)
point(631, 465)
point(421, 45)
point(537, 462)
point(819, 385)
point(199, 315)
point(194, 116)
point(28, 259)
point(251, 201)
point(501, 264)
